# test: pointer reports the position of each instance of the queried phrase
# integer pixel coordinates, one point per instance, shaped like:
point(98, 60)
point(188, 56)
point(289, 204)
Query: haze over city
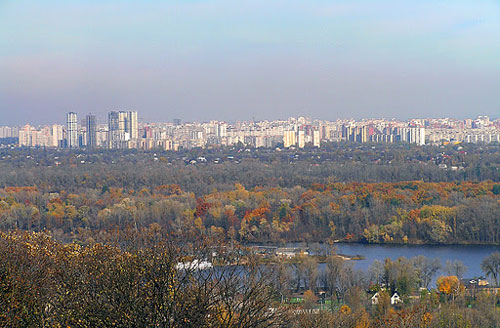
point(226, 60)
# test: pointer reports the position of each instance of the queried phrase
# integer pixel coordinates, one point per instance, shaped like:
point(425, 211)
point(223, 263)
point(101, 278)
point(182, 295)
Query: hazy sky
point(238, 59)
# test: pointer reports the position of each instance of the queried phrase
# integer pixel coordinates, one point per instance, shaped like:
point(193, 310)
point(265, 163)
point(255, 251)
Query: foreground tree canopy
point(149, 279)
point(44, 283)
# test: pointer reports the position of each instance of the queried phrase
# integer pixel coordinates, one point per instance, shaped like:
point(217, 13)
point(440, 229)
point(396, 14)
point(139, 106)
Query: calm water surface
point(470, 255)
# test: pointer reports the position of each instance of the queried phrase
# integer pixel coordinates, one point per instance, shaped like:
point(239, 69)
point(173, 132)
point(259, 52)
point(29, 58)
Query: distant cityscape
point(124, 131)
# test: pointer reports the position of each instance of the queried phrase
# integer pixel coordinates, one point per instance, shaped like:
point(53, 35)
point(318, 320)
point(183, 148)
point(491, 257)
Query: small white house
point(396, 299)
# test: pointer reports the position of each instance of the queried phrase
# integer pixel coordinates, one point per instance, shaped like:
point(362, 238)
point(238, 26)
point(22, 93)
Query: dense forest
point(374, 194)
point(202, 170)
point(404, 212)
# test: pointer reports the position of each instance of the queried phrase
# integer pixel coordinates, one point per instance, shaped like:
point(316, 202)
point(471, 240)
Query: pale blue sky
point(231, 60)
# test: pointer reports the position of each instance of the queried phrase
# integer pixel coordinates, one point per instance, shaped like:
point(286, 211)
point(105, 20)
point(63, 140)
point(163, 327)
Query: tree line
point(403, 212)
point(76, 171)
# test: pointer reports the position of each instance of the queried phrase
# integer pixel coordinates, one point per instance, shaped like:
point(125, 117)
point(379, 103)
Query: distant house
point(476, 282)
point(472, 286)
point(286, 254)
point(396, 299)
point(290, 252)
point(194, 265)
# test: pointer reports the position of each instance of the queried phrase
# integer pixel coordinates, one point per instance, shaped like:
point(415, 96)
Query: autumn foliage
point(402, 212)
point(44, 283)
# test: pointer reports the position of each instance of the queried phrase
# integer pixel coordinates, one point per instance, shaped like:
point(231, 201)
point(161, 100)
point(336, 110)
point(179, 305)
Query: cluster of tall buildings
point(299, 138)
point(9, 132)
point(124, 131)
point(479, 130)
point(122, 127)
point(388, 134)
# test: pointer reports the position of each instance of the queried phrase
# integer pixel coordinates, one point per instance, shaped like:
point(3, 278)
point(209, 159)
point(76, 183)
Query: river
point(470, 255)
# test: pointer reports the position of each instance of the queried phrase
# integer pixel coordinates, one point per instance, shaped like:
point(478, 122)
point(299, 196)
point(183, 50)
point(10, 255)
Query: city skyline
point(203, 60)
point(125, 131)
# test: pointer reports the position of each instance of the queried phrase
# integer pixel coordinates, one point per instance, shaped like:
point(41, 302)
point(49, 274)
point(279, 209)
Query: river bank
point(470, 255)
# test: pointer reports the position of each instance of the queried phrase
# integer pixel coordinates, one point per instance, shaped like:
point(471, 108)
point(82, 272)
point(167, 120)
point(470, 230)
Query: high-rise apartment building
point(289, 139)
point(417, 136)
point(56, 135)
point(122, 127)
point(316, 138)
point(25, 136)
point(116, 129)
point(91, 131)
point(131, 126)
point(301, 139)
point(9, 132)
point(72, 130)
point(364, 134)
